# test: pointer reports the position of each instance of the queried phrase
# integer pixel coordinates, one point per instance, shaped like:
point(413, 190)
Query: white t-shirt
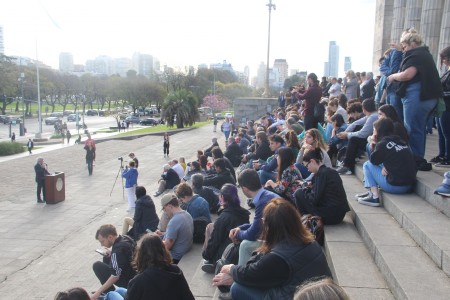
point(335, 90)
point(179, 169)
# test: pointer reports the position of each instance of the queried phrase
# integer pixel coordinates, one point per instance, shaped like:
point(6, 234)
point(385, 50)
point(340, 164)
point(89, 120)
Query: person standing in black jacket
point(145, 216)
point(216, 235)
point(40, 168)
point(324, 196)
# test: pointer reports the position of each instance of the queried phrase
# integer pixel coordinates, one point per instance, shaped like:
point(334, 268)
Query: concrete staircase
point(400, 250)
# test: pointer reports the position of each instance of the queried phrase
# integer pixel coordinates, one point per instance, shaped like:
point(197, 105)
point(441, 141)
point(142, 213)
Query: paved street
point(47, 248)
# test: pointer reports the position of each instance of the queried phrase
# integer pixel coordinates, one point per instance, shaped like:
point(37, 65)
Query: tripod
point(117, 176)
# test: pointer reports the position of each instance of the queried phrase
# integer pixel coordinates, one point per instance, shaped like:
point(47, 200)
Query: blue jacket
point(198, 207)
point(252, 231)
point(130, 176)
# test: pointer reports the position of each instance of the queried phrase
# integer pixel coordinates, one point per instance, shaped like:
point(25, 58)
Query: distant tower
point(143, 64)
point(65, 62)
point(326, 69)
point(2, 46)
point(333, 59)
point(281, 68)
point(347, 63)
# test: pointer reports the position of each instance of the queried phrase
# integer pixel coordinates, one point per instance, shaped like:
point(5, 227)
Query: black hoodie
point(229, 218)
point(219, 179)
point(166, 283)
point(145, 216)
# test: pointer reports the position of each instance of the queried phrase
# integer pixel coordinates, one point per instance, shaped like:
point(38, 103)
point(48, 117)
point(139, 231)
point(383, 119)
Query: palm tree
point(180, 107)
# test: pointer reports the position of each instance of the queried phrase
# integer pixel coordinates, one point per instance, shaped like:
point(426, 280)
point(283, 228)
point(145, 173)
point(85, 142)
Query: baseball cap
point(167, 198)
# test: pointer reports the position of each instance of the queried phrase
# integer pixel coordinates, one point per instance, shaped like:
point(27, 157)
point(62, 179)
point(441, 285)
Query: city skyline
point(190, 33)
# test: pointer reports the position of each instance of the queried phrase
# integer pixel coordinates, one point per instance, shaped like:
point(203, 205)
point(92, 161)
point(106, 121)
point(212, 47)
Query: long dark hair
point(292, 140)
point(151, 253)
point(286, 159)
point(73, 294)
point(282, 222)
point(384, 127)
point(390, 112)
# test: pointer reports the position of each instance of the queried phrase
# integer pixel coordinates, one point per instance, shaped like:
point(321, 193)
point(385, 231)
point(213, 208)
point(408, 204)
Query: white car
point(229, 115)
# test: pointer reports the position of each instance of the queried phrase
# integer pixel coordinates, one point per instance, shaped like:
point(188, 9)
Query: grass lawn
point(160, 128)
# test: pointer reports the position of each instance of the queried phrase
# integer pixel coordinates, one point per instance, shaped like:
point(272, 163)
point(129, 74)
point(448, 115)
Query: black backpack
point(229, 256)
point(199, 229)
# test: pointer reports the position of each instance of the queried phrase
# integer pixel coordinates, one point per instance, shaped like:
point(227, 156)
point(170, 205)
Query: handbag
point(229, 256)
point(315, 225)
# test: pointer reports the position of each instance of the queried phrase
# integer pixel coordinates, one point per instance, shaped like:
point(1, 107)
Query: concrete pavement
point(48, 248)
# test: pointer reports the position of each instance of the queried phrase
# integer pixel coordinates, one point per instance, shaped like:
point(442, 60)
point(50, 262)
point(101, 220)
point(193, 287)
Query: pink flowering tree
point(215, 102)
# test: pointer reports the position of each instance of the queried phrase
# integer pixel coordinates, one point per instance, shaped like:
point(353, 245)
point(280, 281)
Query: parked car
point(57, 114)
point(3, 119)
point(71, 118)
point(67, 112)
point(12, 119)
point(91, 112)
point(132, 119)
point(229, 115)
point(149, 121)
point(219, 116)
point(52, 121)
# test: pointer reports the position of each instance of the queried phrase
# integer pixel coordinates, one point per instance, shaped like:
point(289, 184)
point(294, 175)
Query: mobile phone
point(101, 252)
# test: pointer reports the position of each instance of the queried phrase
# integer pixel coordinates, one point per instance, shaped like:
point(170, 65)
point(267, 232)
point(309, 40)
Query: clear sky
point(182, 32)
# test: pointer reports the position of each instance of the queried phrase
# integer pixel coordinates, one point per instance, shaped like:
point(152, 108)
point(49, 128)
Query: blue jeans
point(416, 113)
point(246, 248)
point(395, 100)
point(118, 294)
point(227, 135)
point(264, 176)
point(303, 170)
point(443, 126)
point(374, 178)
point(242, 292)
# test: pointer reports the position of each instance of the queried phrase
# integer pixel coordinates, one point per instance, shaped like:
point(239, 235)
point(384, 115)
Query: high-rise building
point(331, 68)
point(280, 69)
point(66, 62)
point(2, 46)
point(224, 66)
point(347, 63)
point(143, 64)
point(122, 66)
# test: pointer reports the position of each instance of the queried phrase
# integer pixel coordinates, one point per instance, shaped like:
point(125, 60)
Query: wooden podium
point(55, 188)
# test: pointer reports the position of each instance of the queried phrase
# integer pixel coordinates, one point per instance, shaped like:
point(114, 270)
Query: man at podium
point(41, 170)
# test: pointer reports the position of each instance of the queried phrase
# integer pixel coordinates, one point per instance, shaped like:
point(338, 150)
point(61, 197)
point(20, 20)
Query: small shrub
point(56, 136)
point(7, 148)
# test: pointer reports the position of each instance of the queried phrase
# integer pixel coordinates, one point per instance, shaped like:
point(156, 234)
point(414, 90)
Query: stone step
point(199, 282)
point(428, 226)
point(406, 268)
point(351, 264)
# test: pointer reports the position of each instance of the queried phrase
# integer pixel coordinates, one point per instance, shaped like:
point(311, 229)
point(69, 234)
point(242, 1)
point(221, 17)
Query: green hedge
point(8, 148)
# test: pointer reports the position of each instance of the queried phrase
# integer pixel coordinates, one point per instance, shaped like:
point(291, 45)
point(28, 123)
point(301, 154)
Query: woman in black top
point(391, 166)
point(324, 196)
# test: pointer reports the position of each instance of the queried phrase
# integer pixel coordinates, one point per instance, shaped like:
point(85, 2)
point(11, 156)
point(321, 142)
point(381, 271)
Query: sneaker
point(436, 159)
point(40, 201)
point(443, 190)
point(443, 163)
point(225, 296)
point(362, 195)
point(208, 267)
point(156, 194)
point(370, 201)
point(344, 171)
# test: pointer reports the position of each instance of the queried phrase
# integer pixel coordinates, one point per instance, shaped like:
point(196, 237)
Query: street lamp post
point(22, 76)
point(266, 84)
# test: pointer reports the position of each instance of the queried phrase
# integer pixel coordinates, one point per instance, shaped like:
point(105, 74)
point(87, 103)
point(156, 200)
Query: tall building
point(143, 64)
point(430, 18)
point(2, 46)
point(260, 76)
point(101, 65)
point(224, 66)
point(66, 62)
point(122, 66)
point(331, 68)
point(347, 63)
point(280, 69)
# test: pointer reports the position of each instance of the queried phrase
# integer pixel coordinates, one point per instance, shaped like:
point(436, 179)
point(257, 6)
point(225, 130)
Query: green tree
point(8, 81)
point(182, 107)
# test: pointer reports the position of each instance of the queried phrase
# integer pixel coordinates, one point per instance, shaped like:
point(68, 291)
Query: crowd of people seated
point(288, 164)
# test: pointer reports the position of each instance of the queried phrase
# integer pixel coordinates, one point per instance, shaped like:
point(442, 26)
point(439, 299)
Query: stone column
point(383, 26)
point(398, 21)
point(430, 24)
point(444, 41)
point(412, 14)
